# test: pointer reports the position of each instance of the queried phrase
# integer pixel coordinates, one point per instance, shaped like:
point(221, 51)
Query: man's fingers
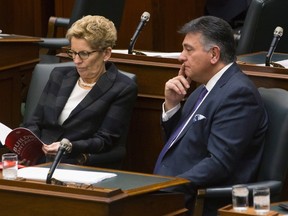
point(178, 84)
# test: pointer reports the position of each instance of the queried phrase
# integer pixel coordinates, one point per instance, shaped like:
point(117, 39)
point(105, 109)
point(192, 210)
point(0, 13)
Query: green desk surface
point(129, 182)
point(282, 211)
point(259, 57)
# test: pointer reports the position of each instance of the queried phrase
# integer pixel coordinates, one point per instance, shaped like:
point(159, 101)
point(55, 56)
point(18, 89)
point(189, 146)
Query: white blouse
point(77, 95)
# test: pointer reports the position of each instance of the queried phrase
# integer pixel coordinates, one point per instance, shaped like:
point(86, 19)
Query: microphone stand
point(144, 18)
point(278, 32)
point(65, 147)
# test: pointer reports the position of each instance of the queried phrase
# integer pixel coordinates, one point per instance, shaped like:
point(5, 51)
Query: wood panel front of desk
point(128, 193)
point(145, 137)
point(36, 201)
point(18, 57)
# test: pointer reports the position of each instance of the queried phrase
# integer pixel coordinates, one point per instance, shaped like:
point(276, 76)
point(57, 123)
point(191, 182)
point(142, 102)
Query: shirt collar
point(211, 83)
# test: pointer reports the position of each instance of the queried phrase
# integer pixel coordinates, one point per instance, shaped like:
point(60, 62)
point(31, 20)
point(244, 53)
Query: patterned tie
point(179, 128)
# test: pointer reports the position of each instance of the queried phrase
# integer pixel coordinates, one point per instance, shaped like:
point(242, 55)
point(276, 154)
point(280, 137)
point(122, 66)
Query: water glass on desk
point(10, 166)
point(261, 200)
point(240, 195)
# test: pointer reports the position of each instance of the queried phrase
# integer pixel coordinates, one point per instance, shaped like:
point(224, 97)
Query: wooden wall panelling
point(130, 20)
point(160, 33)
point(63, 8)
point(30, 17)
point(169, 16)
point(25, 17)
point(43, 9)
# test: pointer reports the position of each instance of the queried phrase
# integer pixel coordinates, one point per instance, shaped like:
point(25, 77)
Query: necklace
point(82, 83)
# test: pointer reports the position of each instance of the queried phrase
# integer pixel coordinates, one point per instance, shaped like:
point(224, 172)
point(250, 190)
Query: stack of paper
point(64, 175)
point(151, 54)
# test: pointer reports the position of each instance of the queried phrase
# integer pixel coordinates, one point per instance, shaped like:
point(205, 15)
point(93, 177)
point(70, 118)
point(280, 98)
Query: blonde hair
point(98, 31)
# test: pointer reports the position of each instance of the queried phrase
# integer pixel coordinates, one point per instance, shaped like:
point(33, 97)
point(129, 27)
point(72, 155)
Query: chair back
point(110, 9)
point(262, 17)
point(38, 81)
point(274, 162)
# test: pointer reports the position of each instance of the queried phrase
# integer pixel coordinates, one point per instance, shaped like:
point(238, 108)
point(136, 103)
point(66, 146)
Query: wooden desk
point(127, 194)
point(18, 56)
point(262, 76)
point(145, 140)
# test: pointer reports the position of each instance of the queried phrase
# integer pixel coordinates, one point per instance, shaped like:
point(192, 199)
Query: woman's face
point(89, 69)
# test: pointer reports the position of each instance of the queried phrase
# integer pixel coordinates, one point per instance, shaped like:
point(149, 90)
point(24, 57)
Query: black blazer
point(98, 124)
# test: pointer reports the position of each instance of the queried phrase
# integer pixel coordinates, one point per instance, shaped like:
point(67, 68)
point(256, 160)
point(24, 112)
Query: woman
point(89, 104)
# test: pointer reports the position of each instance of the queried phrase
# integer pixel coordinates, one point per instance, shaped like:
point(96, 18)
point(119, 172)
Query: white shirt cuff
point(167, 115)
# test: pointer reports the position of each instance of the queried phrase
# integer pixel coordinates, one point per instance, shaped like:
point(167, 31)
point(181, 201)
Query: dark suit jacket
point(98, 124)
point(225, 145)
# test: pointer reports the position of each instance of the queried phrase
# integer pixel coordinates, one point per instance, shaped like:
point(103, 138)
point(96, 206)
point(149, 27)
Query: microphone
point(278, 32)
point(144, 19)
point(65, 146)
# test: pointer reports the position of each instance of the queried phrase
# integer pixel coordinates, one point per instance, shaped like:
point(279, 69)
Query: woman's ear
point(107, 53)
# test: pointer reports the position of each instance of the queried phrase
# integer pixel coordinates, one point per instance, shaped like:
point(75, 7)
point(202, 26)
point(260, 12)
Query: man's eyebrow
point(187, 46)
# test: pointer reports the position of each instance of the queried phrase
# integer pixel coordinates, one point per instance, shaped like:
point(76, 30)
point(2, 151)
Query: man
point(221, 142)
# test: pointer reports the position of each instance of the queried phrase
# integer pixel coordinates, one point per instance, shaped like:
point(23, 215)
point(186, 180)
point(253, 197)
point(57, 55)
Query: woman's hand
point(51, 149)
point(24, 162)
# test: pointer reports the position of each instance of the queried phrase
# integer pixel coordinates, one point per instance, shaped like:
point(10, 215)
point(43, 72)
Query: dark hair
point(214, 31)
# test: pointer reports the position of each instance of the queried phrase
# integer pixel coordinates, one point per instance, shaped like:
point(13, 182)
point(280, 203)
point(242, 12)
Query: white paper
point(151, 54)
point(4, 131)
point(284, 63)
point(64, 175)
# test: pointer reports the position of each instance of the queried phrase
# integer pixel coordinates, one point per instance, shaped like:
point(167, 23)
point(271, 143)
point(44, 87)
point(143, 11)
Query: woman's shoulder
point(117, 74)
point(64, 71)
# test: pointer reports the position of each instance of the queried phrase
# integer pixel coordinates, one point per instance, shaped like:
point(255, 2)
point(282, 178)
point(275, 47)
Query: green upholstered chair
point(273, 167)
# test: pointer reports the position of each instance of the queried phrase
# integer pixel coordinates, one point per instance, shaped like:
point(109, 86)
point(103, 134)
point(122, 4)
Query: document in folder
point(64, 175)
point(23, 142)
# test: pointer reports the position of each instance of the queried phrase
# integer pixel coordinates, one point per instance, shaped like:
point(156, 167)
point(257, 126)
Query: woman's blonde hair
point(98, 31)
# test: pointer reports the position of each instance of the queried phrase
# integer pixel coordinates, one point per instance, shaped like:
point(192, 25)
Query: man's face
point(196, 60)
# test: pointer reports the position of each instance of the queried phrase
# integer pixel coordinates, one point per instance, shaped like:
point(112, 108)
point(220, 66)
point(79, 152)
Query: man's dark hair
point(214, 31)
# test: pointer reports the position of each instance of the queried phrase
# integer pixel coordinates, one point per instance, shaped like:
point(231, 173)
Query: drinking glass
point(261, 200)
point(10, 166)
point(240, 195)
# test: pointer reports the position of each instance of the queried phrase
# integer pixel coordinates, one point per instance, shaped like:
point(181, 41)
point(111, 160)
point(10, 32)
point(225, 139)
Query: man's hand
point(176, 89)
